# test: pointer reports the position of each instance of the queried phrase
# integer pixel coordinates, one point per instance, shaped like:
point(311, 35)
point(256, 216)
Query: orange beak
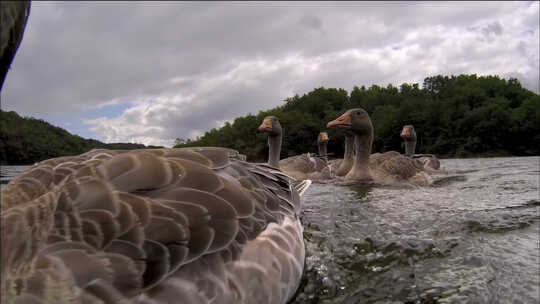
point(324, 136)
point(343, 121)
point(266, 125)
point(406, 132)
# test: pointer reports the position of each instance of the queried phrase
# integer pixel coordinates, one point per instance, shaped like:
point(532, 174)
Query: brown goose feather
point(151, 226)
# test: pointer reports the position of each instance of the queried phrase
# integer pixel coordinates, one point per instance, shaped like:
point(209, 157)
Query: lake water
point(473, 236)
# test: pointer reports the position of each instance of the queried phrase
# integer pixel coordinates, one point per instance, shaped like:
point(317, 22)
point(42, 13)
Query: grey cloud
point(76, 56)
point(527, 80)
point(494, 28)
point(312, 22)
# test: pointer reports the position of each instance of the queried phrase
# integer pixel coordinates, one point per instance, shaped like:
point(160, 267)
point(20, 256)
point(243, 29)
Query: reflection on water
point(8, 172)
point(473, 236)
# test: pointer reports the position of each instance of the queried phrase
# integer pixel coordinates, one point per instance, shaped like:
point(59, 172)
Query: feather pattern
point(195, 225)
point(306, 166)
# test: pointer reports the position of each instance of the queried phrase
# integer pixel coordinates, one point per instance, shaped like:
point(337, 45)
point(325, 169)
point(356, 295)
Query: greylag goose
point(300, 167)
point(386, 168)
point(151, 226)
point(322, 143)
point(190, 225)
point(431, 162)
point(344, 165)
point(13, 18)
point(409, 138)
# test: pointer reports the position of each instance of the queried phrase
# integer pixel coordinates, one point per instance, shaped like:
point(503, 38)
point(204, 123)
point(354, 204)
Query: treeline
point(457, 116)
point(26, 140)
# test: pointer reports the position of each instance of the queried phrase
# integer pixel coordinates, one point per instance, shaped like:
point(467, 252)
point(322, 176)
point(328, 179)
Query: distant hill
point(456, 116)
point(26, 140)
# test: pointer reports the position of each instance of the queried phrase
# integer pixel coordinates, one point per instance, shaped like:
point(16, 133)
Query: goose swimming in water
point(430, 161)
point(189, 225)
point(386, 168)
point(300, 167)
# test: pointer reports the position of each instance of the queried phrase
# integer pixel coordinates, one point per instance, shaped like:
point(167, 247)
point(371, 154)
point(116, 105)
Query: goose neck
point(410, 146)
point(274, 150)
point(323, 151)
point(360, 168)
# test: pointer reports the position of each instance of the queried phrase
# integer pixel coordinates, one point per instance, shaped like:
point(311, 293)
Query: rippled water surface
point(473, 236)
point(8, 172)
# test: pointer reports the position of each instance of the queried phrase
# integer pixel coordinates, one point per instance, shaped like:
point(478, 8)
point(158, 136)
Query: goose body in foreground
point(386, 168)
point(300, 167)
point(190, 225)
point(430, 162)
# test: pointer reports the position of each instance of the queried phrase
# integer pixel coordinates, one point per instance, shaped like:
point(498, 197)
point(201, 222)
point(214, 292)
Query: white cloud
point(182, 68)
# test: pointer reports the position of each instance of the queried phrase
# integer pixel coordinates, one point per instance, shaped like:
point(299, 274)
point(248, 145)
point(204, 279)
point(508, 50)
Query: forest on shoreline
point(26, 140)
point(454, 116)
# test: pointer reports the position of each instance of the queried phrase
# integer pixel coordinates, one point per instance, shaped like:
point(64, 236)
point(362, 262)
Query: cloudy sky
point(152, 72)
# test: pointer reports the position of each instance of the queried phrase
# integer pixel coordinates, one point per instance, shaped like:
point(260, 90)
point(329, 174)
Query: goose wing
point(149, 226)
point(305, 166)
point(393, 167)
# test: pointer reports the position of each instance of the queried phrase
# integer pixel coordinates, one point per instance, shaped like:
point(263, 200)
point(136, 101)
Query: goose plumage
point(152, 226)
point(383, 168)
point(300, 167)
point(430, 162)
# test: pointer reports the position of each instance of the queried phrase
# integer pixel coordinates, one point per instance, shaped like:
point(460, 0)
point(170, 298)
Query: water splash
point(446, 243)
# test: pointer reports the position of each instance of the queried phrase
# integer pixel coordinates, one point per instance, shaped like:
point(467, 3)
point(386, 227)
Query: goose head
point(271, 125)
point(323, 138)
point(356, 121)
point(408, 133)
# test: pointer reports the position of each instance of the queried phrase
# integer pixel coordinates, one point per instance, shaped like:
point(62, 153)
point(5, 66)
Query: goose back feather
point(306, 166)
point(151, 226)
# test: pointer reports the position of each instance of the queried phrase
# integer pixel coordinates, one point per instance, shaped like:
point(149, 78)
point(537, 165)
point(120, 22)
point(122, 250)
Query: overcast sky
point(152, 72)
